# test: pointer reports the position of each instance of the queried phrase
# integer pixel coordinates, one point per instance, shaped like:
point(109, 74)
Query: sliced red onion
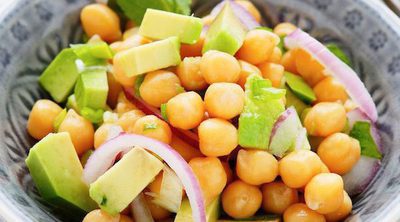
point(302, 142)
point(358, 115)
point(102, 159)
point(244, 16)
point(140, 210)
point(338, 69)
point(186, 135)
point(357, 180)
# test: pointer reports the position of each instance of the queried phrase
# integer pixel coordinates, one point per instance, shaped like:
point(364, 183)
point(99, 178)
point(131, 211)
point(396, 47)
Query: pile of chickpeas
point(302, 186)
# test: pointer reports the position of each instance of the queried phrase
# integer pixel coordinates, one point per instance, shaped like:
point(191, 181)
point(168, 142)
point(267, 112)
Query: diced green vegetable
point(263, 105)
point(60, 76)
point(86, 156)
point(91, 90)
point(71, 103)
point(159, 24)
point(226, 33)
point(185, 211)
point(163, 109)
point(135, 9)
point(293, 100)
point(93, 54)
point(94, 116)
point(300, 87)
point(100, 50)
point(362, 132)
point(59, 119)
point(338, 52)
point(138, 82)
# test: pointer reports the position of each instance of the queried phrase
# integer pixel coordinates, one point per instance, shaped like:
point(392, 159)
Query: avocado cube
point(91, 90)
point(226, 33)
point(57, 172)
point(300, 88)
point(149, 57)
point(117, 188)
point(159, 24)
point(185, 211)
point(60, 76)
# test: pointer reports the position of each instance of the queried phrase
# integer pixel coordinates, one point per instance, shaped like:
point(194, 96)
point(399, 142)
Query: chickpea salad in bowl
point(219, 118)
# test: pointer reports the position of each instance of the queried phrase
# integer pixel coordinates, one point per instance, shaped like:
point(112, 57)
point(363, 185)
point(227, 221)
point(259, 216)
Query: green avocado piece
point(60, 76)
point(93, 54)
point(91, 90)
point(185, 211)
point(293, 100)
point(149, 57)
point(361, 131)
point(93, 115)
point(59, 119)
point(117, 187)
point(300, 87)
point(263, 105)
point(57, 172)
point(159, 24)
point(85, 157)
point(338, 52)
point(226, 33)
point(71, 103)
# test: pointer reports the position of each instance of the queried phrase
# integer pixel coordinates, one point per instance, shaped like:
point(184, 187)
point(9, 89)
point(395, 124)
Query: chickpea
point(41, 118)
point(246, 70)
point(339, 152)
point(157, 212)
point(324, 168)
point(152, 127)
point(159, 86)
point(241, 200)
point(277, 197)
point(129, 32)
point(114, 89)
point(309, 68)
point(80, 130)
point(276, 55)
point(211, 175)
point(298, 167)
point(186, 110)
point(132, 41)
point(128, 119)
point(100, 19)
point(124, 105)
point(185, 150)
point(190, 75)
point(195, 49)
point(256, 167)
point(224, 100)
point(273, 72)
point(258, 46)
point(324, 193)
point(121, 78)
point(217, 137)
point(100, 216)
point(248, 5)
point(284, 29)
point(325, 119)
point(289, 61)
point(219, 66)
point(330, 90)
point(343, 211)
point(101, 134)
point(301, 213)
point(125, 218)
point(228, 171)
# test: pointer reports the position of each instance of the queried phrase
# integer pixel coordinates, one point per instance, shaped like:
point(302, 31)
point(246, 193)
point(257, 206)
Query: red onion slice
point(189, 137)
point(357, 180)
point(102, 159)
point(244, 16)
point(342, 72)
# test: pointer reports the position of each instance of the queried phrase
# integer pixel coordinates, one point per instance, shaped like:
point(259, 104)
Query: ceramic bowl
point(32, 32)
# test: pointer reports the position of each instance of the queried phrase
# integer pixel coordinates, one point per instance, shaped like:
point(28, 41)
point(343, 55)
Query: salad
point(219, 118)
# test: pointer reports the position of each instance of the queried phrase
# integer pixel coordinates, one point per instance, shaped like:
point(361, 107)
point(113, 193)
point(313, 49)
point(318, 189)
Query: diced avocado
point(263, 105)
point(60, 76)
point(93, 54)
point(117, 187)
point(285, 132)
point(93, 115)
point(300, 87)
point(149, 57)
point(185, 211)
point(338, 52)
point(59, 118)
point(101, 50)
point(91, 90)
point(226, 33)
point(159, 24)
point(361, 131)
point(293, 100)
point(57, 172)
point(86, 156)
point(71, 103)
